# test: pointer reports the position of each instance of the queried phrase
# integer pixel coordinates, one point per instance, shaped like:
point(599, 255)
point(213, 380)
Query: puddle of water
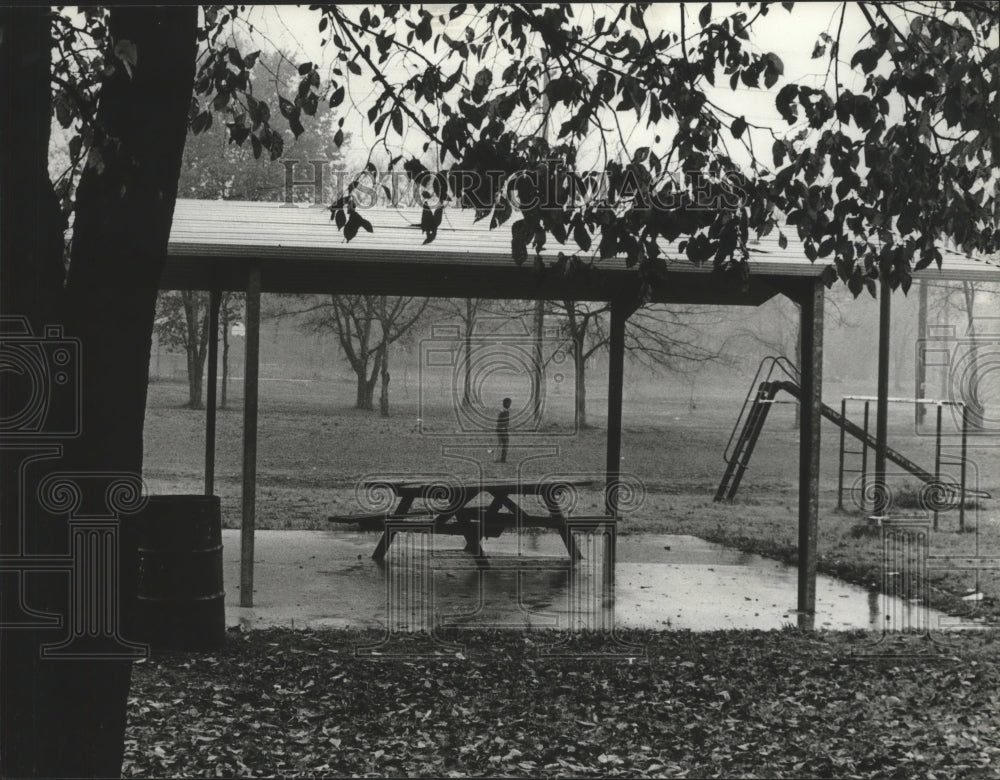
point(322, 579)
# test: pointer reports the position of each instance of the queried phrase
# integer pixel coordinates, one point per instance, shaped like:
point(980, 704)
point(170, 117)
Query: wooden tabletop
point(505, 486)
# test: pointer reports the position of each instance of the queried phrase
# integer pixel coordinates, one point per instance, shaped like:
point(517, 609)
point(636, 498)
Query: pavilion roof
point(299, 249)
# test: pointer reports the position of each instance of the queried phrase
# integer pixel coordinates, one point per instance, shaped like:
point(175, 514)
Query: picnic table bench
point(448, 505)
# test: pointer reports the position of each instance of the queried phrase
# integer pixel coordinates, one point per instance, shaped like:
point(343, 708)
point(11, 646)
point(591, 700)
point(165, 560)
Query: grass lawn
point(725, 704)
point(314, 448)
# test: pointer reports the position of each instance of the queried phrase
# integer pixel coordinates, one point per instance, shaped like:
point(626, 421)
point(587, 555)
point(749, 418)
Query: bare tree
point(366, 326)
point(182, 323)
point(466, 311)
point(231, 310)
point(580, 320)
point(659, 337)
point(396, 316)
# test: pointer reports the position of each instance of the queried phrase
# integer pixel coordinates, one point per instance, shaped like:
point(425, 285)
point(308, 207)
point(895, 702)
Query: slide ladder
point(750, 422)
point(754, 413)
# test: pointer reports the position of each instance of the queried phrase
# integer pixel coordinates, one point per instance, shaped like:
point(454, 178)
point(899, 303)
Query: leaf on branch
point(501, 213)
point(430, 221)
point(773, 68)
point(520, 233)
point(705, 15)
point(916, 85)
point(202, 122)
point(354, 222)
point(820, 48)
point(867, 59)
point(64, 113)
point(738, 127)
point(785, 103)
point(778, 153)
point(276, 146)
point(609, 241)
point(482, 84)
point(700, 248)
point(238, 133)
point(582, 236)
point(126, 51)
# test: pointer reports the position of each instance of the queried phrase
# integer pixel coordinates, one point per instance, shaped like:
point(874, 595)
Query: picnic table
point(449, 505)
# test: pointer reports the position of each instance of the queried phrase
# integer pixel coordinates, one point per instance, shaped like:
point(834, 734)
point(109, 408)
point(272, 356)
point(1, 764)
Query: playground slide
point(755, 421)
point(859, 433)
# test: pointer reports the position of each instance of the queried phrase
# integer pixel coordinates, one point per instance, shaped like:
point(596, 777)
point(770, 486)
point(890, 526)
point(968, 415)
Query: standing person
point(503, 425)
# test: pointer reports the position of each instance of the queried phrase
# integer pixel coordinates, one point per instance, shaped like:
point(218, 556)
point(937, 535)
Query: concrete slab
point(327, 579)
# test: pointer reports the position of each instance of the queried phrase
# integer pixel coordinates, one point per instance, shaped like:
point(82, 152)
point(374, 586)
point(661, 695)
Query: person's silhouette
point(503, 425)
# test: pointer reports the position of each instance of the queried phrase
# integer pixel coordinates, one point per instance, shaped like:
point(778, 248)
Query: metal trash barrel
point(181, 601)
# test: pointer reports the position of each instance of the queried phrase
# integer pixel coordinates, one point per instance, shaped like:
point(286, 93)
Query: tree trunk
point(798, 360)
point(73, 711)
point(538, 372)
point(383, 401)
point(224, 327)
point(196, 375)
point(920, 369)
point(366, 386)
point(943, 328)
point(969, 388)
point(195, 345)
point(467, 363)
point(225, 359)
point(580, 389)
point(31, 278)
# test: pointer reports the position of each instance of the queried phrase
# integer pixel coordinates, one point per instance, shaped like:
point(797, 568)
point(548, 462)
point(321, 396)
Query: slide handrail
point(771, 362)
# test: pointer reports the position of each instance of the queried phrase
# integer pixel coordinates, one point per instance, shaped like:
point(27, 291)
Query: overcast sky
point(791, 36)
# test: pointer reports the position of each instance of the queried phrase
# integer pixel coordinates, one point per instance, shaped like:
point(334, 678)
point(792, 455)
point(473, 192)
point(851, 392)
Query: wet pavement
point(328, 579)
